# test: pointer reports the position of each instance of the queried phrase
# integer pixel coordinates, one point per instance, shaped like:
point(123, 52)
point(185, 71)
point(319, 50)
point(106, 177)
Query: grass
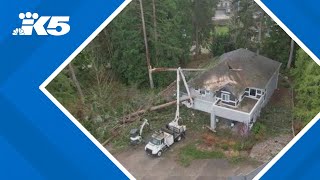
point(190, 152)
point(221, 30)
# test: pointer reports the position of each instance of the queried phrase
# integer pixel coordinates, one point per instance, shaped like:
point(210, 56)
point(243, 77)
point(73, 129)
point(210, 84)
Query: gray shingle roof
point(237, 70)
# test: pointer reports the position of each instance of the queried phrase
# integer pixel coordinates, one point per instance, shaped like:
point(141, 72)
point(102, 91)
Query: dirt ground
point(266, 150)
point(145, 167)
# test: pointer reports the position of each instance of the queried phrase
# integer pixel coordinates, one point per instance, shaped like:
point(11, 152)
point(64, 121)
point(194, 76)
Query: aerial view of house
point(236, 88)
point(197, 89)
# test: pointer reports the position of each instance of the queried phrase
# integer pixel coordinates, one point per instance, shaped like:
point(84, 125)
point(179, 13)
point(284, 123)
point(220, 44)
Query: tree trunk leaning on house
point(146, 45)
point(291, 54)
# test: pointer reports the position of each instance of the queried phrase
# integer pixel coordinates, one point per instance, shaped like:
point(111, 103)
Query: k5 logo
point(57, 26)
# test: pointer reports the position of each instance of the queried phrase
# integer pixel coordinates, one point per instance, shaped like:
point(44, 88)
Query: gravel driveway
point(166, 167)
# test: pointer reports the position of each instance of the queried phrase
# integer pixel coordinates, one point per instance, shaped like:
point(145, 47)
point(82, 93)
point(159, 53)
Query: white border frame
point(63, 65)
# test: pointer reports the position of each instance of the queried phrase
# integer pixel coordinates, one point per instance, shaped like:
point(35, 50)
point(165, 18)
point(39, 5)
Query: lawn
point(221, 29)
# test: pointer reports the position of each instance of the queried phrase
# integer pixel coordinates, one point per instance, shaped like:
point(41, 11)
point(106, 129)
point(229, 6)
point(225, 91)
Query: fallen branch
point(131, 117)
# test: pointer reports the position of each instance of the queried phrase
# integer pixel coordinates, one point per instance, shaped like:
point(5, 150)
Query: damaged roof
point(237, 70)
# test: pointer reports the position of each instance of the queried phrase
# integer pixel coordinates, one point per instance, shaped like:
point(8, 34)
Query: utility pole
point(146, 45)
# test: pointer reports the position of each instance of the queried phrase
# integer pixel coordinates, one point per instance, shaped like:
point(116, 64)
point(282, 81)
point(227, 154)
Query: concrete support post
point(213, 121)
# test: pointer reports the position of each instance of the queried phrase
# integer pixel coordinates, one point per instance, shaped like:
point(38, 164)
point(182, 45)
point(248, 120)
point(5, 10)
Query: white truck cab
point(159, 142)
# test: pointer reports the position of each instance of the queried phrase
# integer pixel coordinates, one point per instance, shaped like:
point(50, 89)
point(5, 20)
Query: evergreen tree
point(307, 87)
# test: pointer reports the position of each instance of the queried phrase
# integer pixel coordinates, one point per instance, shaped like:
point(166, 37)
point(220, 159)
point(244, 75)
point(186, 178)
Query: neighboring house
point(223, 11)
point(236, 88)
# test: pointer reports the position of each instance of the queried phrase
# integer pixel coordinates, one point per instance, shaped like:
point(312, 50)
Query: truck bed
point(174, 132)
point(168, 139)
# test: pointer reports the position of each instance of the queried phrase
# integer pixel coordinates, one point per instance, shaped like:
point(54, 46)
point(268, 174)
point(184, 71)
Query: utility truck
point(173, 132)
point(163, 139)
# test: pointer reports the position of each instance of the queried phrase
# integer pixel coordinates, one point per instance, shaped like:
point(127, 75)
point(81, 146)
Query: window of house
point(259, 92)
point(253, 92)
point(225, 97)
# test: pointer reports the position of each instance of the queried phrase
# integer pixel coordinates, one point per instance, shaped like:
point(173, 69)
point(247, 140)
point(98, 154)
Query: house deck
point(246, 105)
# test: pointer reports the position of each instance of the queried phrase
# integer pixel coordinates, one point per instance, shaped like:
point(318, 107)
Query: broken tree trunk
point(291, 54)
point(146, 45)
point(131, 117)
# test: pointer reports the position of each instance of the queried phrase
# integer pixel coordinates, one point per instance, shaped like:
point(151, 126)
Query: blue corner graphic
point(37, 141)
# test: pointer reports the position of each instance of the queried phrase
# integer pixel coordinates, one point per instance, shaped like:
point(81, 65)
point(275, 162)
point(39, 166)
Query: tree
point(155, 30)
point(221, 43)
point(202, 13)
point(146, 45)
point(291, 54)
point(243, 25)
point(306, 76)
point(277, 44)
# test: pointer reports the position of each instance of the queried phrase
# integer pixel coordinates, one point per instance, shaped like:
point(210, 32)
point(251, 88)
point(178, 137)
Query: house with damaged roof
point(236, 88)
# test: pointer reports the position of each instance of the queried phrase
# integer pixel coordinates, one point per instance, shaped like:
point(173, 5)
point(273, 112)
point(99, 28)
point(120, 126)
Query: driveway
point(145, 167)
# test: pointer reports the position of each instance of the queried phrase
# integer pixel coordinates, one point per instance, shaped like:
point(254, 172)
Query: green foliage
point(277, 45)
point(171, 49)
point(221, 29)
point(244, 30)
point(221, 43)
point(63, 89)
point(201, 16)
point(243, 25)
point(259, 130)
point(190, 152)
point(128, 59)
point(307, 87)
point(245, 144)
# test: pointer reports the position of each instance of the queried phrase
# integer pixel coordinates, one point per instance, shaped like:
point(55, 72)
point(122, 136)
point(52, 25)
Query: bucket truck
point(173, 132)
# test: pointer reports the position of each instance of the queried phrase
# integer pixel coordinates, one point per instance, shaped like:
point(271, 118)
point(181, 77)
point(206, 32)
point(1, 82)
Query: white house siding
point(256, 110)
point(202, 105)
point(231, 114)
